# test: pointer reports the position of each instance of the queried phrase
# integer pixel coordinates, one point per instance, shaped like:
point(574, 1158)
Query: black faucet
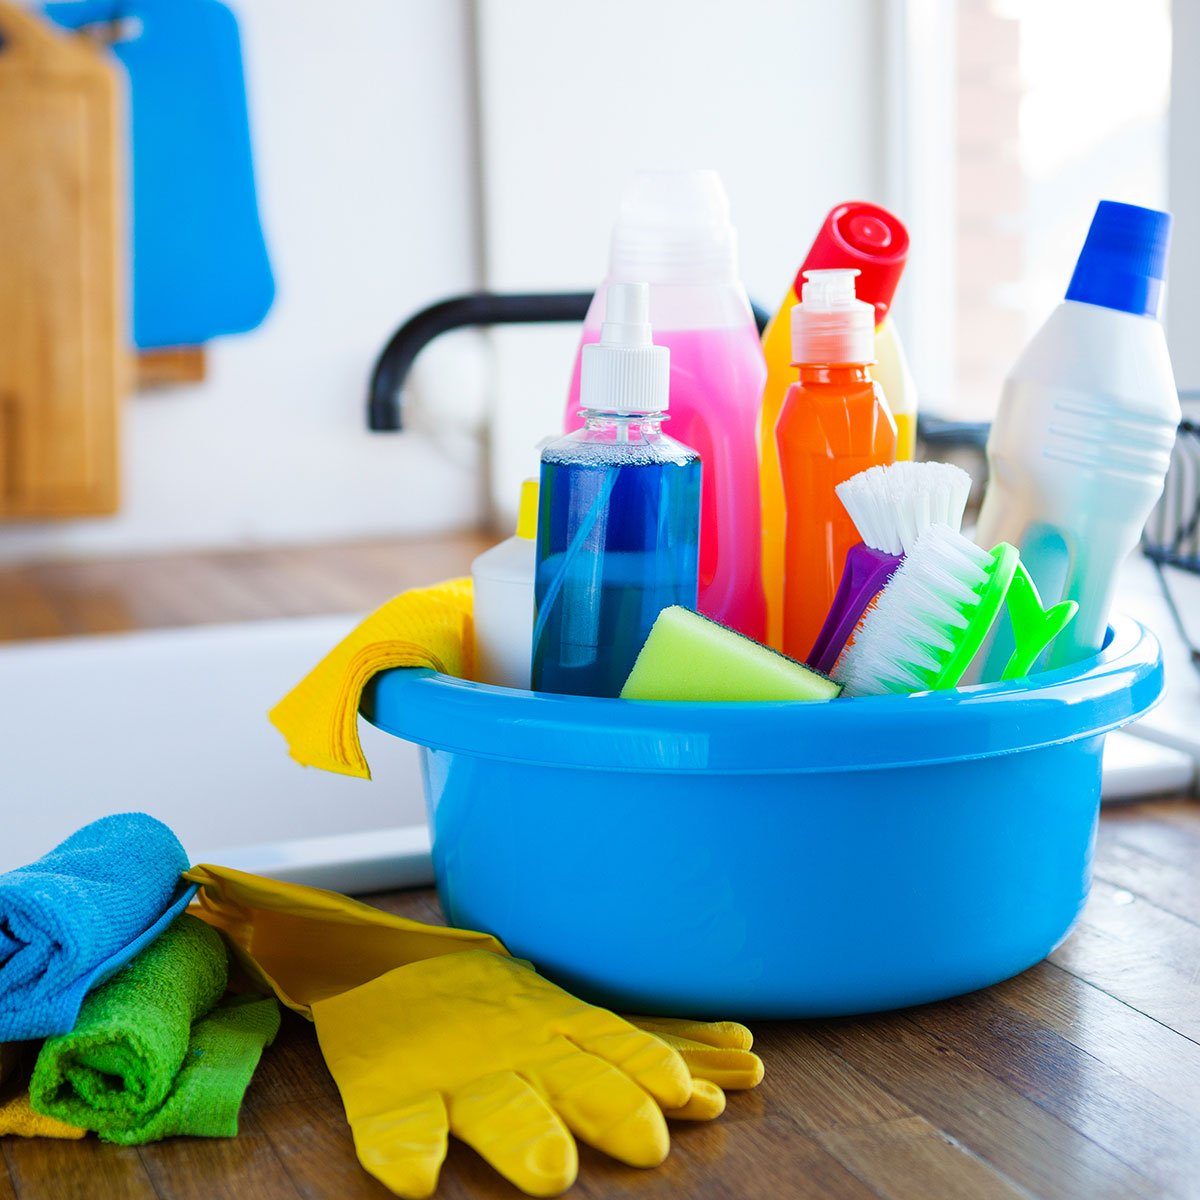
point(384, 410)
point(384, 405)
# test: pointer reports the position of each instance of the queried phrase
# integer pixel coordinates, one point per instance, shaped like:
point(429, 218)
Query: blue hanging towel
point(200, 265)
point(78, 914)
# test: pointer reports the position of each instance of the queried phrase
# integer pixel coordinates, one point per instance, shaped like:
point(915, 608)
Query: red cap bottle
point(865, 236)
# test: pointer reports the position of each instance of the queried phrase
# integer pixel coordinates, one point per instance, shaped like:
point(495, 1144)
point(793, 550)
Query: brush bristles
point(909, 635)
point(892, 506)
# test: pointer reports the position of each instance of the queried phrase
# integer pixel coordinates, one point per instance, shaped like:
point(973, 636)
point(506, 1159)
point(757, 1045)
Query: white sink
point(174, 723)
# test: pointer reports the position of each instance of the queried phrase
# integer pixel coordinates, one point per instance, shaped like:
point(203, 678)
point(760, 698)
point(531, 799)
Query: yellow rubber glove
point(305, 944)
point(484, 1047)
point(425, 627)
point(715, 1051)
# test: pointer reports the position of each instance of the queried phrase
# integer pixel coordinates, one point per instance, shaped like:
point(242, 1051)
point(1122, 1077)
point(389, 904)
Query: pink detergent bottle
point(673, 232)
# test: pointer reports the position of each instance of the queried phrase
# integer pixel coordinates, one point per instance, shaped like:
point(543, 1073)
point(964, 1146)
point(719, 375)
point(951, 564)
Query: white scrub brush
point(892, 506)
point(929, 622)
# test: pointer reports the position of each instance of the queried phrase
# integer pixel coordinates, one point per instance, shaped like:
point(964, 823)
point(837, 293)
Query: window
point(1018, 116)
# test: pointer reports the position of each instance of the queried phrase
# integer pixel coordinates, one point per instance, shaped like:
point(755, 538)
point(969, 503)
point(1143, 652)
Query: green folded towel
point(222, 1056)
point(143, 1061)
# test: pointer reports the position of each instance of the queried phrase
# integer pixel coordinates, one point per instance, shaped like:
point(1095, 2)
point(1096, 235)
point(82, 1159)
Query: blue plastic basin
point(778, 860)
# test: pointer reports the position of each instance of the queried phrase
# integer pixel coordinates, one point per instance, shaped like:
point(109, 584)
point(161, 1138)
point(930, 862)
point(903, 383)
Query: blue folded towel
point(71, 919)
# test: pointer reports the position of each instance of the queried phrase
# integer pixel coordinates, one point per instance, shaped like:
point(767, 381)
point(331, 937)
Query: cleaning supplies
point(503, 579)
point(348, 966)
point(932, 618)
point(619, 521)
point(1083, 436)
point(875, 242)
point(674, 231)
point(689, 657)
point(891, 506)
point(69, 920)
point(834, 423)
point(424, 627)
point(140, 1063)
point(509, 1063)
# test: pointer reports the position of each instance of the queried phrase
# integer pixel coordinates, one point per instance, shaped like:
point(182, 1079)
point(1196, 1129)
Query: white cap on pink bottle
point(674, 228)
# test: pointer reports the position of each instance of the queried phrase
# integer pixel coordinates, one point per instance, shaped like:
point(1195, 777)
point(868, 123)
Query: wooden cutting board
point(63, 336)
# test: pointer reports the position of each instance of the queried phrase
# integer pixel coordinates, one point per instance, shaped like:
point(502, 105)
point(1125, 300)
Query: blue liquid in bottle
point(618, 541)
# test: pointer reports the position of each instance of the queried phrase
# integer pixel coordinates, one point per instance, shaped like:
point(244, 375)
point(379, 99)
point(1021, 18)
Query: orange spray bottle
point(834, 423)
point(854, 234)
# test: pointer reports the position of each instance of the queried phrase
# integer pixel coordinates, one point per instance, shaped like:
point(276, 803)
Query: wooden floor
point(1080, 1078)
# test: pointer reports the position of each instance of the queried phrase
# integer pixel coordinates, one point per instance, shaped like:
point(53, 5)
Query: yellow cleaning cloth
point(17, 1119)
point(425, 627)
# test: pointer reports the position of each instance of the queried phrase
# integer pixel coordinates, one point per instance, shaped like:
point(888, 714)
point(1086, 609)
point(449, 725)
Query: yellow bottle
point(875, 243)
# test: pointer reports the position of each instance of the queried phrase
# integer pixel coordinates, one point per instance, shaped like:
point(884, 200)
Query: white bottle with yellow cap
point(503, 578)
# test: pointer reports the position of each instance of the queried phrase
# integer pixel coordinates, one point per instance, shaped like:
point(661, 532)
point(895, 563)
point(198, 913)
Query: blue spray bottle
point(619, 513)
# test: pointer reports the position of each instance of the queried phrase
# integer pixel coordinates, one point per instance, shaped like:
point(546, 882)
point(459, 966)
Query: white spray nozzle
point(624, 372)
point(626, 315)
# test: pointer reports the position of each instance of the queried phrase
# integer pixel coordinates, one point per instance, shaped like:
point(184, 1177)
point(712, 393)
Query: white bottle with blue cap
point(1083, 436)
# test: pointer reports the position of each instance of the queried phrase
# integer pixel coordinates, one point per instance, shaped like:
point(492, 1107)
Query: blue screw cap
point(1123, 262)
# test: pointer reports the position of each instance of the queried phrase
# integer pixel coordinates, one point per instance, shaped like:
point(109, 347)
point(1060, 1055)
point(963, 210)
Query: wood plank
point(1178, 812)
point(43, 1169)
point(908, 1159)
point(317, 1151)
point(764, 1158)
point(1134, 975)
point(112, 595)
point(1117, 912)
point(1133, 1123)
point(1132, 1044)
point(245, 1167)
point(1174, 842)
point(1028, 1145)
point(292, 1071)
point(1174, 888)
point(875, 1136)
point(819, 1090)
point(8, 1189)
point(26, 611)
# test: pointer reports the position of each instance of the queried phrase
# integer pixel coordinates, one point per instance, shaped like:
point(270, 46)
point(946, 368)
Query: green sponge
point(689, 657)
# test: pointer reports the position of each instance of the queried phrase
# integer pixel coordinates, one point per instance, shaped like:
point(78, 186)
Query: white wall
point(1183, 184)
point(783, 97)
point(362, 121)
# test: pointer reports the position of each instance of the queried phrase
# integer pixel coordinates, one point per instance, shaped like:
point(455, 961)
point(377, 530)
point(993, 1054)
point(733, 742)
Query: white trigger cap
point(625, 372)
